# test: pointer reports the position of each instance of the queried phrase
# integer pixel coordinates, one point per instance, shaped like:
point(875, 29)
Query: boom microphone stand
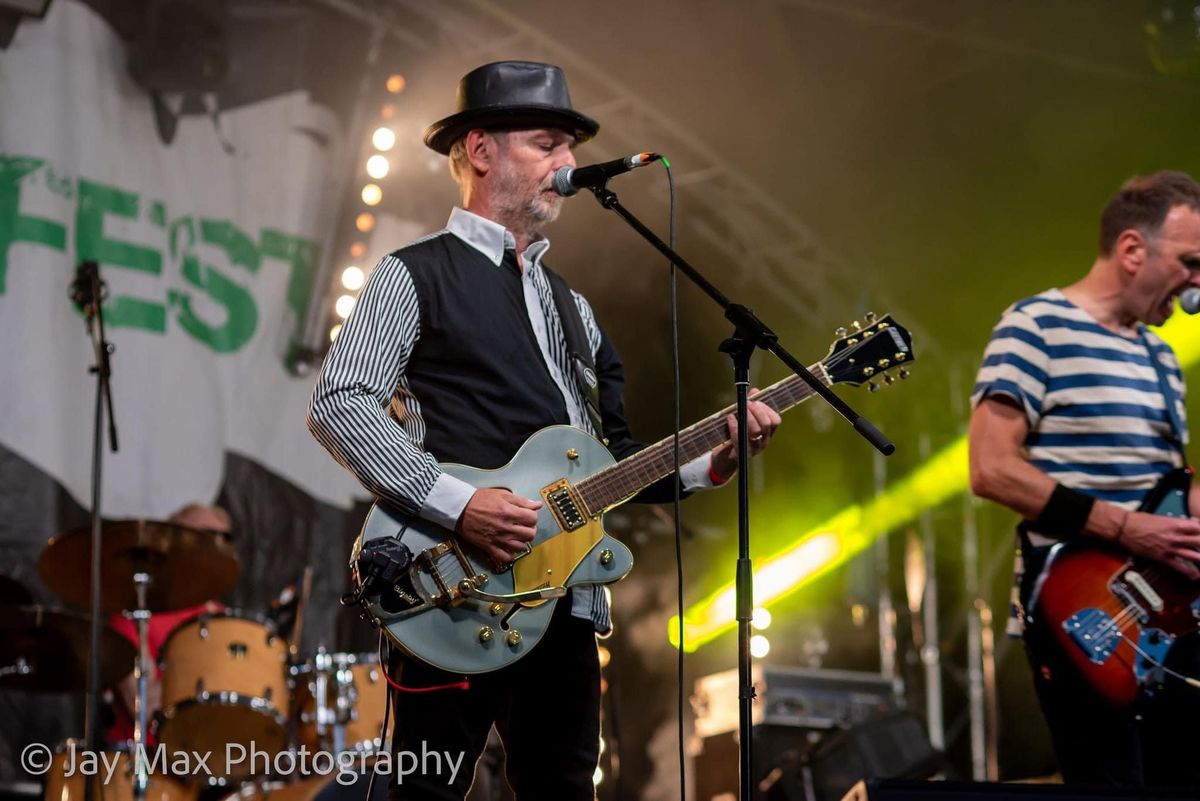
point(749, 333)
point(88, 293)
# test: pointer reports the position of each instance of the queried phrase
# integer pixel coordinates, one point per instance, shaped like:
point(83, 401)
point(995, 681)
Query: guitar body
point(1099, 602)
point(454, 610)
point(455, 636)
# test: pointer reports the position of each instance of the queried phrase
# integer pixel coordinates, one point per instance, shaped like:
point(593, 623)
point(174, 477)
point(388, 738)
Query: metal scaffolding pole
point(887, 609)
point(974, 639)
point(931, 654)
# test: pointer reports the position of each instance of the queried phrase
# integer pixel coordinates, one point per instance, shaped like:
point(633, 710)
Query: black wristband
point(1065, 514)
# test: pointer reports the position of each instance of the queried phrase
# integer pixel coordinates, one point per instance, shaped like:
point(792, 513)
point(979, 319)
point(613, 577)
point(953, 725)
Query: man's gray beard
point(532, 215)
point(544, 212)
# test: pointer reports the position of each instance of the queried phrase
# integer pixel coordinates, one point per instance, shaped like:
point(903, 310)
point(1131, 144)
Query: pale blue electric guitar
point(453, 609)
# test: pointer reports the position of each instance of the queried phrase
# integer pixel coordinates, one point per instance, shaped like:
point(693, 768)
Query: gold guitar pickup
point(565, 504)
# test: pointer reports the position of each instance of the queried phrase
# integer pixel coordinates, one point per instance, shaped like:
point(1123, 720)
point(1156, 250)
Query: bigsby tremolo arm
point(467, 589)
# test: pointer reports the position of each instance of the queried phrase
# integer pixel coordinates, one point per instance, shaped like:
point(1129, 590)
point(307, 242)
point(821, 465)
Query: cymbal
point(13, 591)
point(186, 566)
point(42, 648)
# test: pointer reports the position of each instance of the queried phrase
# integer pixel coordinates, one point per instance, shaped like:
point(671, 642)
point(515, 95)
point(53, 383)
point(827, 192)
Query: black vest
point(476, 370)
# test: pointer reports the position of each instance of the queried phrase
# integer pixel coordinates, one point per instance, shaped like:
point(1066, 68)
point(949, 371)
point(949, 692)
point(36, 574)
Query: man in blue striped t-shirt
point(1078, 412)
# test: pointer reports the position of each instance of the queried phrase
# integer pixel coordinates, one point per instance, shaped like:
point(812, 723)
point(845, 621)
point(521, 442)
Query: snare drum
point(340, 702)
point(225, 682)
point(71, 757)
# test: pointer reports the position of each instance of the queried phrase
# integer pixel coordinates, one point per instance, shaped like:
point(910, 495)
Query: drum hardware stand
point(325, 718)
point(750, 333)
point(19, 668)
point(141, 616)
point(88, 293)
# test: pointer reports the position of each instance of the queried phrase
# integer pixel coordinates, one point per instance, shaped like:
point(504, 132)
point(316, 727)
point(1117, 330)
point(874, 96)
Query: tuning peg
point(872, 386)
point(856, 325)
point(903, 373)
point(888, 379)
point(869, 318)
point(840, 331)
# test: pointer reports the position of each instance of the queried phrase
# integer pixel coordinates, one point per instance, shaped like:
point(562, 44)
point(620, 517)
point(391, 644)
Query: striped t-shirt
point(1098, 421)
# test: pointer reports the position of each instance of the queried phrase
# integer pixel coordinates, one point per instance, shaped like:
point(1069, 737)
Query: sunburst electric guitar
point(451, 608)
point(1115, 615)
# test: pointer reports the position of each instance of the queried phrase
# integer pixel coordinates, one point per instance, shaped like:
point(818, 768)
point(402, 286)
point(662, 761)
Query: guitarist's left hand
point(762, 421)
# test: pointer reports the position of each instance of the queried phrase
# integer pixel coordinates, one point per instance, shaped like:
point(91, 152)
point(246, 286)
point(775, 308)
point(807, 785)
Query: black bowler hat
point(511, 94)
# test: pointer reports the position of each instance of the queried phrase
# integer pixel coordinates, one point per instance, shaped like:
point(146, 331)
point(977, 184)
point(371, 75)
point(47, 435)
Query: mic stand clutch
point(88, 292)
point(749, 333)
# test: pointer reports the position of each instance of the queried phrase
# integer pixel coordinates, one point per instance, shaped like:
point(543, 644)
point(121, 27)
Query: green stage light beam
point(849, 532)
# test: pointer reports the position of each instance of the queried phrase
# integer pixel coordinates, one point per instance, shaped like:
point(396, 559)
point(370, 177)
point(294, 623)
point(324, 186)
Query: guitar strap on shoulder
point(1170, 397)
point(582, 363)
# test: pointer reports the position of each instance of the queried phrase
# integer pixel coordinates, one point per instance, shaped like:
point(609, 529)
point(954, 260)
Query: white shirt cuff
point(445, 502)
point(694, 474)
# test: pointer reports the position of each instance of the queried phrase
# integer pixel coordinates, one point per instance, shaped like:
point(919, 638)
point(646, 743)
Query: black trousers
point(1154, 743)
point(546, 708)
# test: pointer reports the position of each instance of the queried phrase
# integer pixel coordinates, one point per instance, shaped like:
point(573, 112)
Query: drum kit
point(229, 678)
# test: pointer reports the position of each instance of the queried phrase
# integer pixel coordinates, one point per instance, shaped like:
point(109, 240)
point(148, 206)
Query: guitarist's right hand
point(1174, 541)
point(498, 523)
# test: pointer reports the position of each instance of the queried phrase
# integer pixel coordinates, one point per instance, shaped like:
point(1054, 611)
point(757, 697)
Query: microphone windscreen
point(561, 182)
point(1189, 300)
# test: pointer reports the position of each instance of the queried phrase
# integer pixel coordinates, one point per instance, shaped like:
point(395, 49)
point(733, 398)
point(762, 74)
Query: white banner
point(208, 246)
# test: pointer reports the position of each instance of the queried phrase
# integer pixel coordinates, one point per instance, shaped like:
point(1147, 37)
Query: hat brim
point(443, 133)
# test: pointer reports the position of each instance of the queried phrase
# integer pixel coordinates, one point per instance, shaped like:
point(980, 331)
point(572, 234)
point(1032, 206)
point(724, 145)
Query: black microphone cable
point(678, 424)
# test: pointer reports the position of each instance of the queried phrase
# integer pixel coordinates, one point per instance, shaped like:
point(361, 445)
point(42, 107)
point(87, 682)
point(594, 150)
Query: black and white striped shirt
point(368, 408)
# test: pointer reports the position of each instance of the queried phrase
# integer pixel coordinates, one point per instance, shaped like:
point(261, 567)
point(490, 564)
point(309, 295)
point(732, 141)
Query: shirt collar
point(491, 238)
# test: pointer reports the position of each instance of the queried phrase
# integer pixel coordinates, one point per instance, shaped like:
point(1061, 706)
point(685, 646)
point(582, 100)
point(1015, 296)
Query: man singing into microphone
point(1078, 412)
point(456, 352)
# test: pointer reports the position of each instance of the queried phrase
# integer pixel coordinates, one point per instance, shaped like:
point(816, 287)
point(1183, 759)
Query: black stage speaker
point(796, 764)
point(899, 790)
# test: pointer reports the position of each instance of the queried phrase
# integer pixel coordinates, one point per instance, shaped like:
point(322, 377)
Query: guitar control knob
point(606, 557)
point(496, 609)
point(514, 638)
point(486, 634)
point(572, 454)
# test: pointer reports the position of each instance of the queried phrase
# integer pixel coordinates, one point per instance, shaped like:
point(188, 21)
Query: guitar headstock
point(867, 352)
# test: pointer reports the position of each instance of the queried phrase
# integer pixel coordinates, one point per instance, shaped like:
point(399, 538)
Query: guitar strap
point(582, 364)
point(1170, 397)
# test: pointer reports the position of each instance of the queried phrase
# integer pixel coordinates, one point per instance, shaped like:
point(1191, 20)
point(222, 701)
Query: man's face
point(1172, 264)
point(525, 164)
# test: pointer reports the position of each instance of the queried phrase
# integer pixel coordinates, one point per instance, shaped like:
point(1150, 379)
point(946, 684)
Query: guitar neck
point(618, 483)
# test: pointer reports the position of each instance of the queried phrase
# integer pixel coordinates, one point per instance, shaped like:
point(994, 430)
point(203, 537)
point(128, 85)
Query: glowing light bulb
point(384, 138)
point(760, 646)
point(760, 618)
point(353, 278)
point(378, 166)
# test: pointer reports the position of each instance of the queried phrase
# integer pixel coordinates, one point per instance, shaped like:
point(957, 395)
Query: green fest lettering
point(230, 314)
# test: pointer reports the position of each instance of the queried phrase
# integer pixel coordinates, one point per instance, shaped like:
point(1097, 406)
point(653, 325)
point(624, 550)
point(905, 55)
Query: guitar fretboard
point(626, 478)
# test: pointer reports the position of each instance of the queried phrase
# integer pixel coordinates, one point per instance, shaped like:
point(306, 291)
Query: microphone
point(1189, 300)
point(569, 180)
